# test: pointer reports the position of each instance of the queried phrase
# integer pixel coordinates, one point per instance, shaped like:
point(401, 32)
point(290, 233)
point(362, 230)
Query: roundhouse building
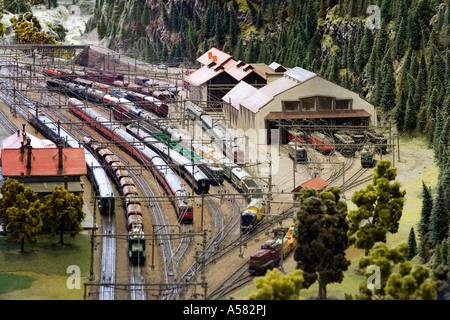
point(299, 97)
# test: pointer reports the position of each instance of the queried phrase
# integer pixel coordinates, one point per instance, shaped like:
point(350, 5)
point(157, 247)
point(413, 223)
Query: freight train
point(179, 196)
point(132, 206)
point(271, 252)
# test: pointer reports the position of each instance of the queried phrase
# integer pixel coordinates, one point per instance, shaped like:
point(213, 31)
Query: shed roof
point(44, 162)
point(241, 91)
point(216, 62)
point(317, 184)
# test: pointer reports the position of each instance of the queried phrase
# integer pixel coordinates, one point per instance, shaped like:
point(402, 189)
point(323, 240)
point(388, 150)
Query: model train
point(297, 152)
point(132, 206)
point(252, 215)
point(272, 251)
point(367, 159)
point(241, 179)
point(345, 144)
point(192, 173)
point(97, 93)
point(145, 132)
point(221, 136)
point(166, 176)
point(322, 142)
point(378, 140)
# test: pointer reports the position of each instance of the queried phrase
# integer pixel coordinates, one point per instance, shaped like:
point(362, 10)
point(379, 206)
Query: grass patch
point(10, 282)
point(41, 271)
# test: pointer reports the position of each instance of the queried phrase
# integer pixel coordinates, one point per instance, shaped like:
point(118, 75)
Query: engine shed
point(300, 97)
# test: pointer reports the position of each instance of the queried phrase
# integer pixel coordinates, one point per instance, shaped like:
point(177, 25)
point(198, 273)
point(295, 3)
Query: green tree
point(278, 286)
point(321, 235)
point(412, 245)
point(19, 212)
point(409, 283)
point(439, 219)
point(379, 208)
point(399, 112)
point(62, 211)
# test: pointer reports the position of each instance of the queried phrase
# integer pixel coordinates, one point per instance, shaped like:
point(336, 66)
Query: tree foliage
point(398, 279)
point(62, 212)
point(380, 206)
point(19, 212)
point(278, 286)
point(321, 235)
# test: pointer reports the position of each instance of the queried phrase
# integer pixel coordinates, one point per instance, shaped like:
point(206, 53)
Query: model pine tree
point(321, 235)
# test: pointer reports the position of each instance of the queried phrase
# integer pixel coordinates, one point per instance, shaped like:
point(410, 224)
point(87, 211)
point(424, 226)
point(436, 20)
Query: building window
point(308, 104)
point(343, 104)
point(325, 104)
point(290, 106)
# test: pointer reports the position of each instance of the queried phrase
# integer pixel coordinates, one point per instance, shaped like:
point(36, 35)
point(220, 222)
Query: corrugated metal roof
point(241, 91)
point(300, 74)
point(256, 101)
point(44, 162)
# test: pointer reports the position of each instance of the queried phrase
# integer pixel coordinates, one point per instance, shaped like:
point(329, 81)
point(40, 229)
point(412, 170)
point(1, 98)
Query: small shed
point(317, 184)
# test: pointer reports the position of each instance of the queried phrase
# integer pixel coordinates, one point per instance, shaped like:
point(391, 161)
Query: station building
point(298, 97)
point(40, 167)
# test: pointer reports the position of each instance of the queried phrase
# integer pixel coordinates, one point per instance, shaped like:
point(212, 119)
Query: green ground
point(41, 272)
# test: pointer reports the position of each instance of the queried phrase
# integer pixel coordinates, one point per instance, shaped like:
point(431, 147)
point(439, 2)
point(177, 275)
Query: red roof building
point(42, 169)
point(219, 73)
point(317, 184)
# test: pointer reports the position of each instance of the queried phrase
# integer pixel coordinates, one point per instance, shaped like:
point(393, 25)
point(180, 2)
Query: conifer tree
point(399, 112)
point(424, 224)
point(412, 245)
point(411, 115)
point(399, 42)
point(439, 220)
point(387, 101)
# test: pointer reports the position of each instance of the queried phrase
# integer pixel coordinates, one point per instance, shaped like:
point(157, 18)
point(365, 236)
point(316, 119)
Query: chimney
point(28, 140)
point(210, 55)
point(60, 155)
point(23, 127)
point(22, 147)
point(18, 133)
point(29, 147)
point(24, 136)
point(214, 58)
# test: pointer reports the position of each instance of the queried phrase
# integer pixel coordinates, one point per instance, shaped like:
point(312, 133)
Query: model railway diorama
point(185, 168)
